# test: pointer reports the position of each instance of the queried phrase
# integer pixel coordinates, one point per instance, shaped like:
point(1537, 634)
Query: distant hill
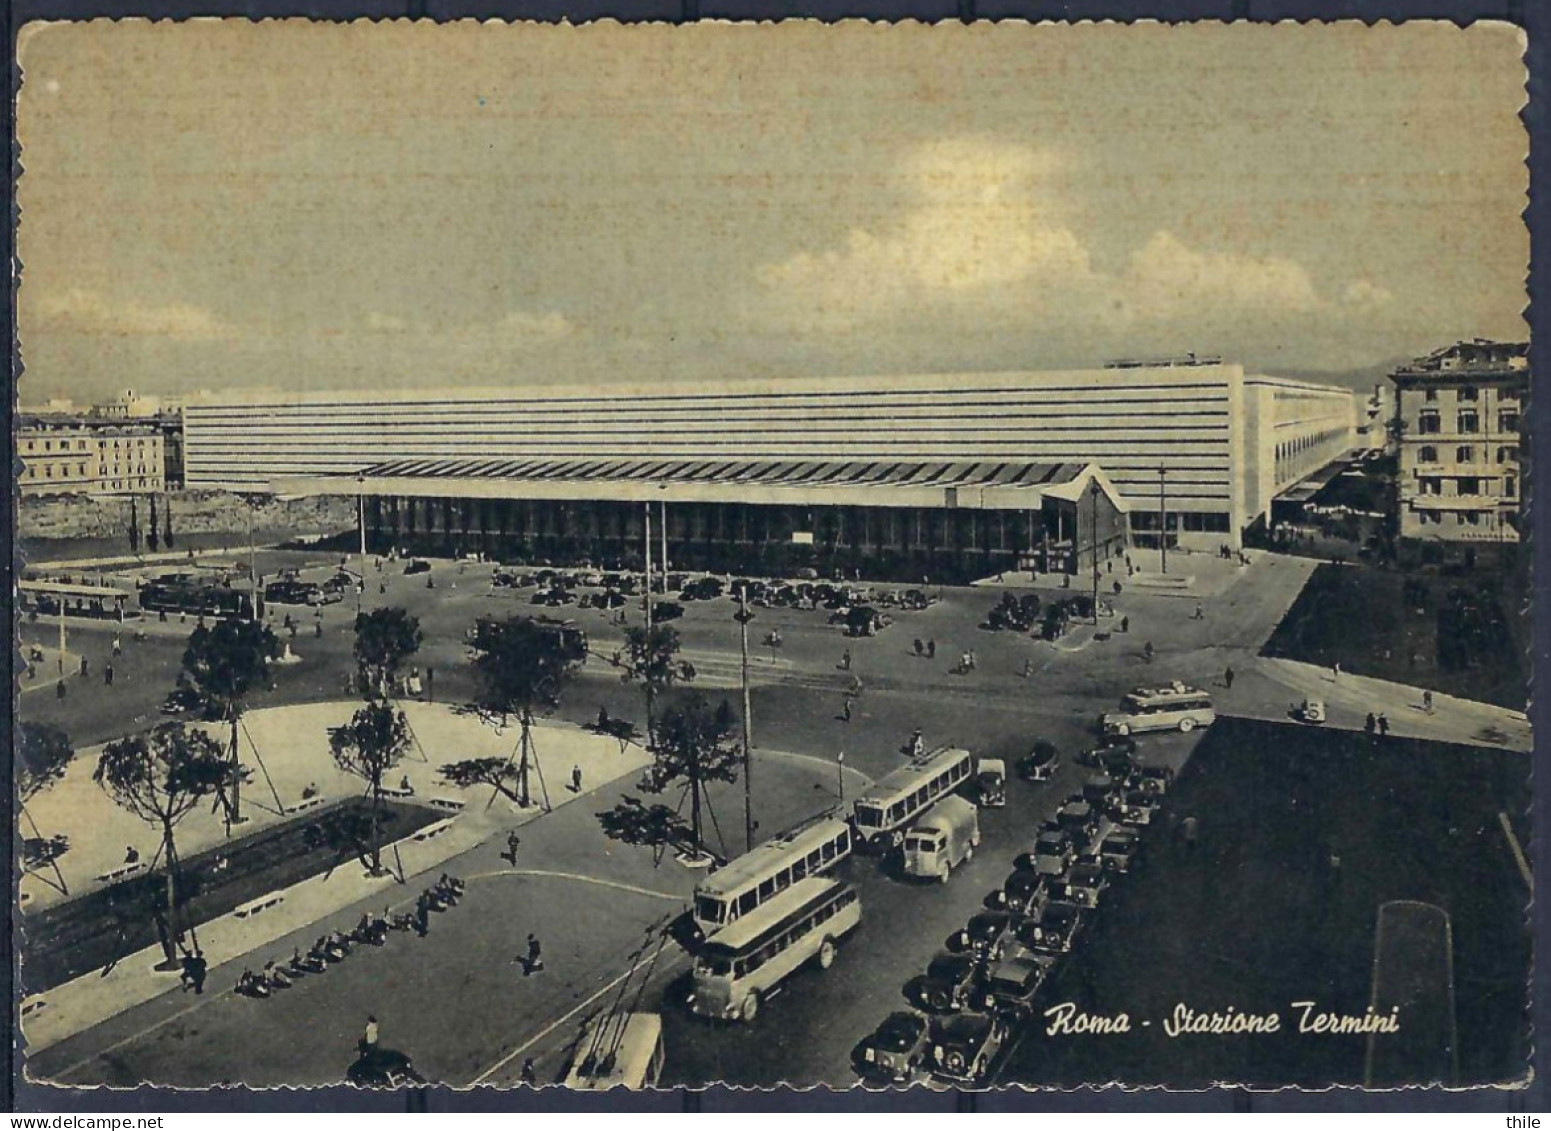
point(1359, 380)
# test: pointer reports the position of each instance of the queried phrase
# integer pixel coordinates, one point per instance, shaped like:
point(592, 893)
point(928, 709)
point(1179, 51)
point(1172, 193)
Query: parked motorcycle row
point(335, 946)
point(987, 980)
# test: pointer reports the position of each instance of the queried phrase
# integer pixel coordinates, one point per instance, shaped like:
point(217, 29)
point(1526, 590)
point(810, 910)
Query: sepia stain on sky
point(219, 205)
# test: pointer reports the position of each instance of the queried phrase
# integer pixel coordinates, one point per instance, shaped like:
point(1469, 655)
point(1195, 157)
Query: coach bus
point(811, 848)
point(1173, 707)
point(189, 594)
point(882, 814)
point(743, 964)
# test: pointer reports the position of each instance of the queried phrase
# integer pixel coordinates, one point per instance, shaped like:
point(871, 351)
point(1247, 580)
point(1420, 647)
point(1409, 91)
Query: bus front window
point(714, 963)
point(869, 816)
point(710, 909)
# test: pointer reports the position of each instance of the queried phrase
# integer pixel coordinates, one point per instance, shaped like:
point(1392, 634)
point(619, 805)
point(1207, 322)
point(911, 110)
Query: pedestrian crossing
point(724, 670)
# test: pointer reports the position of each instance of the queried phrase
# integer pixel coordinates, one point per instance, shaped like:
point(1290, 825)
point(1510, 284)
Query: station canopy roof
point(989, 484)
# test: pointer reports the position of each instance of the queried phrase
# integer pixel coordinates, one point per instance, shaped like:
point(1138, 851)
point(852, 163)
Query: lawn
point(95, 930)
point(1257, 916)
point(1449, 634)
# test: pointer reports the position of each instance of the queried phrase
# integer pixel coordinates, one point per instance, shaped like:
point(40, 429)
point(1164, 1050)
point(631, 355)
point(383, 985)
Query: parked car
point(983, 935)
point(1012, 984)
point(383, 1068)
point(1020, 895)
point(1054, 929)
point(1081, 884)
point(951, 980)
point(1108, 747)
point(418, 565)
point(1080, 817)
point(897, 1048)
point(1054, 851)
point(1041, 763)
point(1134, 809)
point(1119, 850)
point(964, 1047)
point(666, 611)
point(991, 783)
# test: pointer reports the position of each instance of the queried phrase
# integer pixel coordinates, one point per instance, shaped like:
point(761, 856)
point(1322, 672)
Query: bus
point(618, 1050)
point(813, 847)
point(1173, 707)
point(882, 814)
point(188, 594)
point(743, 964)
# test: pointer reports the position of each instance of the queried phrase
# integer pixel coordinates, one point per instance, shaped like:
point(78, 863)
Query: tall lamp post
point(743, 617)
point(1095, 492)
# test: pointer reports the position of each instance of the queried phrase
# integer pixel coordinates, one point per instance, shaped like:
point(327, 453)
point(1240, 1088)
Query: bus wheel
point(826, 954)
point(750, 1008)
point(1186, 726)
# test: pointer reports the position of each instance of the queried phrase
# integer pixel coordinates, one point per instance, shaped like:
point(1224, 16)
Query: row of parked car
point(986, 981)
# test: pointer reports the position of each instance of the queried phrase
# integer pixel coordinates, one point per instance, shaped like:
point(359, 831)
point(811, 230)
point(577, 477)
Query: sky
point(232, 206)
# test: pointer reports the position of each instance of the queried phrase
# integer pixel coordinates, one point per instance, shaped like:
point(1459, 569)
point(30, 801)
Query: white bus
point(894, 800)
point(618, 1050)
point(1174, 707)
point(741, 965)
point(730, 893)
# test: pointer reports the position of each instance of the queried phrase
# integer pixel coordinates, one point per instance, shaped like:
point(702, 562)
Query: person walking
point(534, 962)
point(1383, 726)
point(107, 674)
point(369, 1038)
point(1370, 724)
point(845, 660)
point(576, 779)
point(118, 646)
point(919, 647)
point(1227, 679)
point(1028, 668)
point(931, 649)
point(1335, 672)
point(1427, 702)
point(530, 1075)
point(85, 667)
point(423, 915)
point(513, 843)
point(845, 710)
point(1125, 624)
point(1200, 613)
point(1147, 651)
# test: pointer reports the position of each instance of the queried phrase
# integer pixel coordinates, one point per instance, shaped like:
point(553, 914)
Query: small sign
point(802, 537)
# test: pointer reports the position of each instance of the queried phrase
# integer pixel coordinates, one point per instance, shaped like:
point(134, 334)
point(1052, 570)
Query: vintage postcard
point(943, 556)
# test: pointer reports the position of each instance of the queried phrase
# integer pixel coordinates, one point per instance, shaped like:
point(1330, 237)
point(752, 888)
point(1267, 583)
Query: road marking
point(675, 898)
point(675, 961)
point(827, 763)
point(1518, 853)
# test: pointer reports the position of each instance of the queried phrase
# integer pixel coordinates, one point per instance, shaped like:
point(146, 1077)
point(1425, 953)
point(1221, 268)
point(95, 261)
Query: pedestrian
point(423, 915)
point(416, 688)
point(293, 631)
point(107, 674)
point(1383, 726)
point(1427, 702)
point(919, 647)
point(530, 1075)
point(535, 958)
point(972, 663)
point(318, 629)
point(845, 660)
point(1028, 668)
point(430, 684)
point(513, 843)
point(118, 647)
point(198, 966)
point(1370, 724)
point(931, 649)
point(845, 710)
point(369, 1038)
point(1191, 828)
point(1125, 624)
point(1227, 679)
point(576, 779)
point(1200, 613)
point(59, 690)
point(1147, 651)
point(1335, 672)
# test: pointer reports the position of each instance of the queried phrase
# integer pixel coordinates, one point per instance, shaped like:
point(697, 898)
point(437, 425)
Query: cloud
point(1167, 279)
point(89, 313)
point(983, 240)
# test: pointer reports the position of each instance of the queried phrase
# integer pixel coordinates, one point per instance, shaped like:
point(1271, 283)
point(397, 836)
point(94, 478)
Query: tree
point(161, 777)
point(134, 527)
point(167, 522)
point(520, 667)
point(695, 746)
point(227, 662)
point(42, 756)
point(43, 753)
point(368, 746)
point(651, 656)
point(655, 826)
point(384, 639)
point(499, 773)
point(152, 535)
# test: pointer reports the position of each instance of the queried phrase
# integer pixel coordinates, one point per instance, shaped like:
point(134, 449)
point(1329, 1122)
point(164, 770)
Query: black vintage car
point(1012, 983)
point(419, 565)
point(383, 1068)
point(964, 1047)
point(1040, 763)
point(982, 935)
point(951, 980)
point(897, 1047)
point(1053, 930)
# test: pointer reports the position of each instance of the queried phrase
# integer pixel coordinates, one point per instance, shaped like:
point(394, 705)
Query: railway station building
point(947, 476)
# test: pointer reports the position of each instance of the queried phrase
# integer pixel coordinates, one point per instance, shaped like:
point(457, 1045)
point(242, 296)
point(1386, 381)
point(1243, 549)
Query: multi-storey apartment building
point(77, 455)
point(1460, 420)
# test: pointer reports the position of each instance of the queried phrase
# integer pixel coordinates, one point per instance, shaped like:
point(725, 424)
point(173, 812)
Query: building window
point(1468, 393)
point(1509, 454)
point(1510, 486)
point(1469, 421)
point(1507, 422)
point(1431, 395)
point(48, 473)
point(83, 468)
point(1464, 454)
point(1429, 423)
point(1468, 485)
point(1431, 485)
point(1427, 455)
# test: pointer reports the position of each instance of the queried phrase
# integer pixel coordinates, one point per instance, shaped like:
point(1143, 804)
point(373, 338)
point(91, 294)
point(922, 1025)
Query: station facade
point(946, 476)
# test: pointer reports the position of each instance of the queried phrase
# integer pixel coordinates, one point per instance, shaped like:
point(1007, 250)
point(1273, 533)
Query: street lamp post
point(840, 775)
point(1096, 491)
point(743, 618)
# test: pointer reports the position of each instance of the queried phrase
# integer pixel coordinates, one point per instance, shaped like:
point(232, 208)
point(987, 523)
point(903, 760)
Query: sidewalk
point(1349, 698)
point(294, 740)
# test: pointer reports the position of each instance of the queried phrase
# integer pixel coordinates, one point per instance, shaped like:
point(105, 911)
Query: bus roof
point(634, 1044)
point(1170, 691)
point(794, 842)
point(897, 781)
point(749, 931)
